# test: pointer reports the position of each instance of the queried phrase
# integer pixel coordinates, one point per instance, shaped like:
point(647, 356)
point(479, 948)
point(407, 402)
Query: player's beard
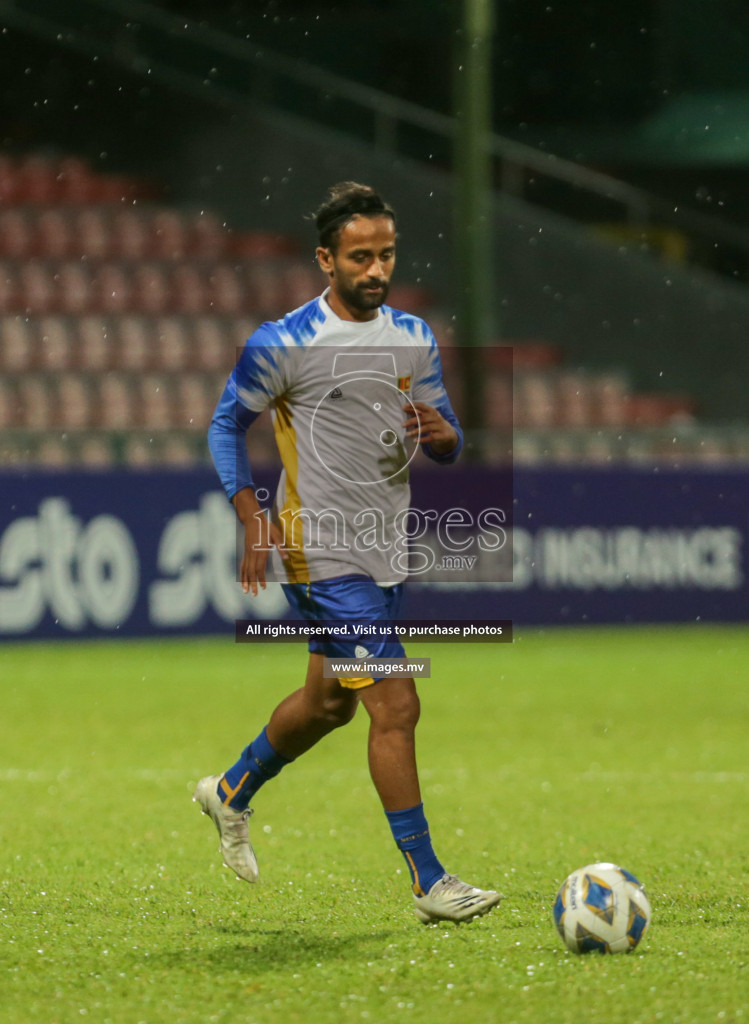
point(358, 297)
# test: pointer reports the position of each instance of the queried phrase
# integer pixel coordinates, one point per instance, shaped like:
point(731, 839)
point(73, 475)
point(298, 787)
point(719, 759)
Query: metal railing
point(216, 67)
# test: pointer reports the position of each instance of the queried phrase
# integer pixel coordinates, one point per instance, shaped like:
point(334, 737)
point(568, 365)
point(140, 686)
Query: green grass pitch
point(565, 748)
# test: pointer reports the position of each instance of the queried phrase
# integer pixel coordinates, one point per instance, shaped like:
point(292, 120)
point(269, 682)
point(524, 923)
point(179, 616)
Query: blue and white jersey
point(336, 390)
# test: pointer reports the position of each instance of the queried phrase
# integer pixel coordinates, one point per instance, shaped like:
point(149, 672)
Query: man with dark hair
point(339, 373)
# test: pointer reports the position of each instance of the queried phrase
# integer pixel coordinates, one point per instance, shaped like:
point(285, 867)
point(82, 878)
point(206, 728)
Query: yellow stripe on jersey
point(292, 523)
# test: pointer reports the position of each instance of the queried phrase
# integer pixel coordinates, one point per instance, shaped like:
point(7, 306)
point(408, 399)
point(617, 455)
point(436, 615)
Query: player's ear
point(325, 259)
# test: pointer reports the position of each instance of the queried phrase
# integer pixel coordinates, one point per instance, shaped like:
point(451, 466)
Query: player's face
point(361, 266)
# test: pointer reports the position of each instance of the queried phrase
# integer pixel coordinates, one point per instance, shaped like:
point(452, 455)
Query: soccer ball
point(601, 907)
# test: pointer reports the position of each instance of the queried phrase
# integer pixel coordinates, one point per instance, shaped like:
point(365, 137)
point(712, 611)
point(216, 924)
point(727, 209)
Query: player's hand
point(260, 536)
point(429, 427)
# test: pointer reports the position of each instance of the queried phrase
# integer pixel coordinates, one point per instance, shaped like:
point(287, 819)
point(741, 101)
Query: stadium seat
point(574, 407)
point(94, 346)
point(301, 283)
point(135, 349)
point(37, 288)
point(36, 403)
point(130, 236)
point(16, 234)
point(140, 451)
point(172, 345)
point(208, 238)
point(212, 351)
point(226, 293)
point(95, 451)
point(76, 182)
point(117, 408)
point(73, 288)
point(498, 399)
point(188, 290)
point(151, 293)
point(54, 452)
point(196, 401)
point(111, 289)
point(92, 235)
point(176, 450)
point(264, 290)
point(8, 406)
point(17, 348)
point(53, 236)
point(56, 349)
point(157, 404)
point(37, 181)
point(169, 239)
point(261, 245)
point(74, 403)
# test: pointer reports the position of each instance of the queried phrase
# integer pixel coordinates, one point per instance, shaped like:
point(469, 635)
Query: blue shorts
point(355, 599)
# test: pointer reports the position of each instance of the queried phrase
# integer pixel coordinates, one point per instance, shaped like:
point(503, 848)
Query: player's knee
point(398, 709)
point(337, 710)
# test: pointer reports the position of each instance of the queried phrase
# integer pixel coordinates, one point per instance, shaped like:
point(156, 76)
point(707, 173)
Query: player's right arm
point(254, 382)
point(260, 535)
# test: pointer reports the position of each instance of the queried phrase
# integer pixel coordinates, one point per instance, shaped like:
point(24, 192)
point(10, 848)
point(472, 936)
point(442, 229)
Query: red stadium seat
point(54, 239)
point(111, 289)
point(196, 401)
point(92, 234)
point(17, 347)
point(208, 238)
point(56, 351)
point(169, 239)
point(130, 235)
point(159, 412)
point(212, 352)
point(94, 347)
point(37, 181)
point(261, 245)
point(188, 290)
point(76, 182)
point(226, 292)
point(135, 349)
point(95, 451)
point(151, 292)
point(10, 298)
point(8, 406)
point(16, 234)
point(74, 288)
point(117, 407)
point(264, 288)
point(36, 403)
point(302, 283)
point(37, 287)
point(74, 402)
point(177, 451)
point(172, 345)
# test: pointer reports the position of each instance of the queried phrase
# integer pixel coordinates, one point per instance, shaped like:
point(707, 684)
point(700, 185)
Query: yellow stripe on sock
point(418, 891)
point(231, 793)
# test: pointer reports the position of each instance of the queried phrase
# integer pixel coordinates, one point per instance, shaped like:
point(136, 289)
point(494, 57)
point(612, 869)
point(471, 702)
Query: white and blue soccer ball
point(601, 907)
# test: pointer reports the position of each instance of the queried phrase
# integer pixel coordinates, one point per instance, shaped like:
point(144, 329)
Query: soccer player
point(353, 387)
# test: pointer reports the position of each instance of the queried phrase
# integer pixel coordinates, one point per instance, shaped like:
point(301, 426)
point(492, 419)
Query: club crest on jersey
point(336, 394)
point(404, 383)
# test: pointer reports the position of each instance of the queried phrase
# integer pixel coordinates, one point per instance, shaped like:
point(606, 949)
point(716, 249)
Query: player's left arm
point(433, 422)
point(437, 429)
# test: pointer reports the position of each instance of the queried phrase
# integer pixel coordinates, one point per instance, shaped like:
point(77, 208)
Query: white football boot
point(449, 899)
point(233, 828)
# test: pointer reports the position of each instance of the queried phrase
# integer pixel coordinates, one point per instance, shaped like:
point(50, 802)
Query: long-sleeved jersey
point(336, 390)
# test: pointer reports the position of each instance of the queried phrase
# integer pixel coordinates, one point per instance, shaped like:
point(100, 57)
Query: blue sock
point(258, 763)
point(411, 833)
